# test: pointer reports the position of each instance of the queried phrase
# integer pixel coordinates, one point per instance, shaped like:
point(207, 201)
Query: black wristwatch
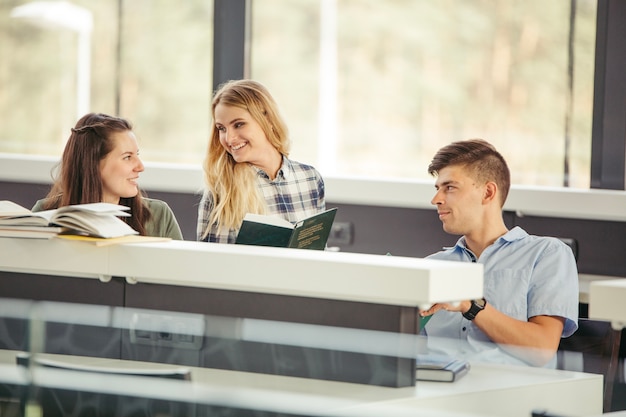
point(476, 307)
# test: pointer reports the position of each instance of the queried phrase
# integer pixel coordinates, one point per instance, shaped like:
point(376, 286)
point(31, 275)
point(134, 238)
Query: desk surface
point(390, 280)
point(487, 390)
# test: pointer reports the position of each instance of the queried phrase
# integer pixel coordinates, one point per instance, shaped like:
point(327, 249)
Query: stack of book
point(96, 219)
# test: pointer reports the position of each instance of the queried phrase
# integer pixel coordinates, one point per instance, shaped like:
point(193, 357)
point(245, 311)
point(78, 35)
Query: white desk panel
point(54, 257)
point(379, 279)
point(391, 280)
point(584, 282)
point(606, 301)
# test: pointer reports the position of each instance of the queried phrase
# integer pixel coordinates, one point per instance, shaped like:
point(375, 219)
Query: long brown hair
point(78, 179)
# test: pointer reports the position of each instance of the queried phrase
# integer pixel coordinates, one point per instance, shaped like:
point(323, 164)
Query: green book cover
point(309, 233)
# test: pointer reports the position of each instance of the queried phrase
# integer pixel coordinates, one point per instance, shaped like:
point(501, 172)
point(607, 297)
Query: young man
point(530, 282)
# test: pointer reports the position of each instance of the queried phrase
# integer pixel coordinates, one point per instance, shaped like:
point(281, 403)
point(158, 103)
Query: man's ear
point(491, 191)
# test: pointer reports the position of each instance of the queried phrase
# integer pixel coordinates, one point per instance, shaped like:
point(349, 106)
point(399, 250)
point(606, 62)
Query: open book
point(310, 233)
point(96, 219)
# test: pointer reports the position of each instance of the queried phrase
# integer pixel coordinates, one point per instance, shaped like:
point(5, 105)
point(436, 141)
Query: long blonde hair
point(233, 186)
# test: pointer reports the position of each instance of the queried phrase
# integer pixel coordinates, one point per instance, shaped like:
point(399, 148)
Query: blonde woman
point(247, 169)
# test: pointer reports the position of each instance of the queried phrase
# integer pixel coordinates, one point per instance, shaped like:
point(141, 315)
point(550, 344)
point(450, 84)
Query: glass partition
point(76, 359)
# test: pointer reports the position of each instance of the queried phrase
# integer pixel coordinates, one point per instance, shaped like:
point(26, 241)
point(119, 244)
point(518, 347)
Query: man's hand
point(534, 341)
point(461, 307)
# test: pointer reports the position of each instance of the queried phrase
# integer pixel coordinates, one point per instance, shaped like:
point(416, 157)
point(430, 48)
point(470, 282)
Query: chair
point(594, 348)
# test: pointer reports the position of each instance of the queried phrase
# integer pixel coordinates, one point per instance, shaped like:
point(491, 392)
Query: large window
point(146, 60)
point(376, 87)
point(368, 87)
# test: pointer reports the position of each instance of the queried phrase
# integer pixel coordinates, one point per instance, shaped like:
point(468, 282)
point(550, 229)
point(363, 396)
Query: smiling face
point(459, 200)
point(244, 139)
point(120, 168)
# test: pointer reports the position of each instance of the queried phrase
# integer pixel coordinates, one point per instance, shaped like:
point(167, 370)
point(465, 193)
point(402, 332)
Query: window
point(368, 88)
point(375, 88)
point(159, 78)
point(165, 83)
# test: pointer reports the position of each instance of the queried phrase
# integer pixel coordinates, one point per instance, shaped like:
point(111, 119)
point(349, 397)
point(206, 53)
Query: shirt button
point(464, 328)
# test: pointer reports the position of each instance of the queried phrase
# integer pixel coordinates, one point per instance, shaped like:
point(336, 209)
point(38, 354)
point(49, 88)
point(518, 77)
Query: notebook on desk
point(440, 368)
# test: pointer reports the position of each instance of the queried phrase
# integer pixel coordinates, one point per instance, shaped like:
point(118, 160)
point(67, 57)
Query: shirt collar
point(283, 172)
point(512, 235)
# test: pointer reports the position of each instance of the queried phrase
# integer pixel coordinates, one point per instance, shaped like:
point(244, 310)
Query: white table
point(390, 280)
point(487, 390)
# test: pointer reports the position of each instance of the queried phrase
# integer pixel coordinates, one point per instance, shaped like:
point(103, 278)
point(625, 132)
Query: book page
point(97, 208)
point(28, 218)
point(94, 224)
point(10, 209)
point(271, 220)
point(101, 241)
point(29, 232)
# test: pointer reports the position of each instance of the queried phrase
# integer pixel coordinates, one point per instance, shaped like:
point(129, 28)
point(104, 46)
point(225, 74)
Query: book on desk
point(95, 219)
point(440, 368)
point(30, 232)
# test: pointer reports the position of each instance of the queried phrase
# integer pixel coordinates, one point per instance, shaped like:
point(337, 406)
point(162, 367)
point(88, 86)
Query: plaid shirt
point(297, 192)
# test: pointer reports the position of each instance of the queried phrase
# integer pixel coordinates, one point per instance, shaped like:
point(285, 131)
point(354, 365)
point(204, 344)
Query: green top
point(163, 223)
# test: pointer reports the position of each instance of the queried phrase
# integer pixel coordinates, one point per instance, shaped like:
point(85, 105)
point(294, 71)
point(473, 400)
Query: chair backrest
point(594, 348)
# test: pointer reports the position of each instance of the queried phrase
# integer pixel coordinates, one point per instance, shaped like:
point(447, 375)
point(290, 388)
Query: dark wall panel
point(185, 206)
point(24, 194)
point(406, 231)
point(399, 231)
point(262, 306)
point(61, 289)
point(601, 244)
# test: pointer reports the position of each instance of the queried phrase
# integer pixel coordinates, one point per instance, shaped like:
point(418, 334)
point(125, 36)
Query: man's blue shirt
point(524, 276)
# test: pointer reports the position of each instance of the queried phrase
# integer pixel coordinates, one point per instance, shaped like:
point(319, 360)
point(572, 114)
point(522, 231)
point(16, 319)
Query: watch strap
point(476, 307)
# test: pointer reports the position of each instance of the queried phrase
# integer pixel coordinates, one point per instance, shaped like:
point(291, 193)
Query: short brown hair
point(480, 157)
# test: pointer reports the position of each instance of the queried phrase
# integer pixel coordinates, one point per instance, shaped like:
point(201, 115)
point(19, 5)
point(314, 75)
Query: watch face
point(481, 302)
